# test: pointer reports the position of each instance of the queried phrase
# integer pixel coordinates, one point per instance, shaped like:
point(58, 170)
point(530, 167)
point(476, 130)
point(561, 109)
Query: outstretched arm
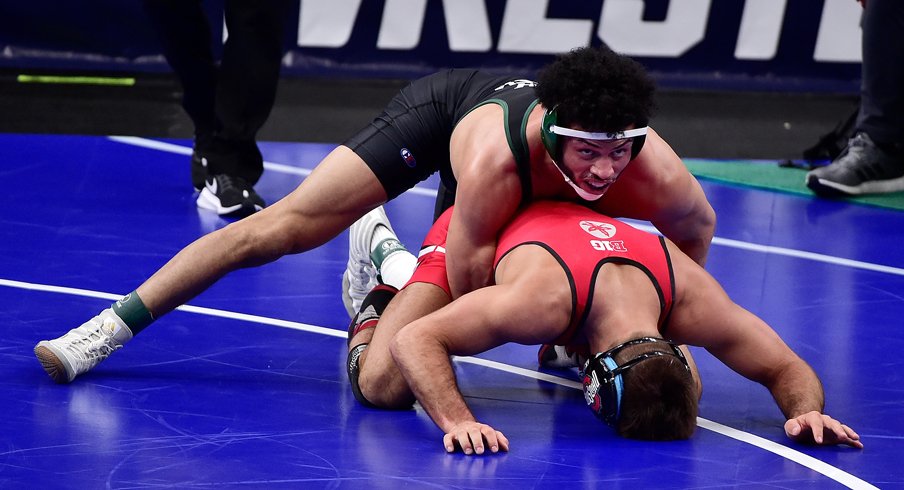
point(794, 386)
point(422, 351)
point(745, 343)
point(469, 325)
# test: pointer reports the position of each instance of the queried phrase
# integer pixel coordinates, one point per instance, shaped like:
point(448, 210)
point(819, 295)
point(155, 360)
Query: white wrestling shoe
point(360, 274)
point(84, 347)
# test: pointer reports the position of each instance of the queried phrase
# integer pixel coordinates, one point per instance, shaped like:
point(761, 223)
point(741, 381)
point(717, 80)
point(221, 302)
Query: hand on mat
point(474, 438)
point(817, 428)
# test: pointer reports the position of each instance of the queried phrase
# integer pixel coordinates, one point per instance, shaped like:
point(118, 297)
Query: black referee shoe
point(198, 170)
point(229, 196)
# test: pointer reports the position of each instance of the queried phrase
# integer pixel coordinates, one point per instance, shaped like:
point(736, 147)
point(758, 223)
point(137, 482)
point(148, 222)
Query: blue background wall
point(788, 45)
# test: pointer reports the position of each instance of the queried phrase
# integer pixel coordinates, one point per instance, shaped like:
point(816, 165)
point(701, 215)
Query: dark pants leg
point(882, 92)
point(228, 103)
point(185, 36)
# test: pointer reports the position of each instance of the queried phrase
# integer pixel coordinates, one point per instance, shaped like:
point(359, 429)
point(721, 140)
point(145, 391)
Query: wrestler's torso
point(583, 241)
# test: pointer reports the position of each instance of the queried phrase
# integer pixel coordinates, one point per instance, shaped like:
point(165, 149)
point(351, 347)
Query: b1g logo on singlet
point(516, 84)
point(603, 232)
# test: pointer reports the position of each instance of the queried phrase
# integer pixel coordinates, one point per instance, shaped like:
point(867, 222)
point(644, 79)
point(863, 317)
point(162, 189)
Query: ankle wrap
point(384, 249)
point(133, 313)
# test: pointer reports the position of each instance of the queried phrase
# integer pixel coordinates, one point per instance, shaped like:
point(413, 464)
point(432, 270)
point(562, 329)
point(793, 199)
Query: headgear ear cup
point(637, 145)
point(602, 390)
point(550, 140)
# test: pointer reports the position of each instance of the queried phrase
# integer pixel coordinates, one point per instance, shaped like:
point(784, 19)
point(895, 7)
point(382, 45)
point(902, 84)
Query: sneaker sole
point(346, 298)
point(827, 188)
point(53, 365)
point(210, 202)
point(824, 188)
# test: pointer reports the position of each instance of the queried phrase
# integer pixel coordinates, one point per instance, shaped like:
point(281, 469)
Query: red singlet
point(581, 239)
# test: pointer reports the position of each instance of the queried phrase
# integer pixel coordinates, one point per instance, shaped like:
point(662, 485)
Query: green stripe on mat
point(768, 175)
point(76, 80)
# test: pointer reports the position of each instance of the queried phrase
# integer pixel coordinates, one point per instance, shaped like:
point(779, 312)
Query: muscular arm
point(421, 351)
point(691, 227)
point(480, 212)
point(474, 323)
point(657, 187)
point(752, 349)
point(487, 196)
point(763, 357)
point(706, 317)
point(684, 213)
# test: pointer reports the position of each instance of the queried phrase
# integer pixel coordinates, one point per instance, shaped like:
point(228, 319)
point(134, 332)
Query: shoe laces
point(228, 182)
point(90, 344)
point(860, 143)
point(360, 267)
point(362, 276)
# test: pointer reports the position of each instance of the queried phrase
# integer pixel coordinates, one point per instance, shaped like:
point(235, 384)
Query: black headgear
point(603, 385)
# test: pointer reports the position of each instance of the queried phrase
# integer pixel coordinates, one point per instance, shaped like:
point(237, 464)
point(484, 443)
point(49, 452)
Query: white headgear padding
point(588, 135)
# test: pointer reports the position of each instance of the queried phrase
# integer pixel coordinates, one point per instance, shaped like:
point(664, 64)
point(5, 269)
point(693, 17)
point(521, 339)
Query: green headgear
point(549, 133)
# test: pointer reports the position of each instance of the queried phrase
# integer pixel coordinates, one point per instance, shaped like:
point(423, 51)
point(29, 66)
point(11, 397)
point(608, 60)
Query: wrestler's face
point(594, 165)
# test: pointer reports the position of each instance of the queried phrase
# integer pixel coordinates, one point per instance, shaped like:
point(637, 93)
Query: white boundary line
point(814, 464)
point(790, 252)
point(275, 167)
point(726, 242)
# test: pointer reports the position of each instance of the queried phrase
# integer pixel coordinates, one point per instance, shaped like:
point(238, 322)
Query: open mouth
point(598, 186)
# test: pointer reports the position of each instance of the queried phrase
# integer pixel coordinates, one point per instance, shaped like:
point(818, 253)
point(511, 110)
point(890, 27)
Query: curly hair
point(659, 401)
point(597, 89)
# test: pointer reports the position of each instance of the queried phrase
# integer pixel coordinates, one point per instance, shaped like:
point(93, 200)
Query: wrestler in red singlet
point(581, 240)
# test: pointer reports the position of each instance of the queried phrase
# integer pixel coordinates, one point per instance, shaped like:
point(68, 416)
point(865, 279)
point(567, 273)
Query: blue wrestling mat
point(245, 387)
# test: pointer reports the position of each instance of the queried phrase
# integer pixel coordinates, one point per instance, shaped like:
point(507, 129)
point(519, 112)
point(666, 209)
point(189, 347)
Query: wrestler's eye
point(619, 152)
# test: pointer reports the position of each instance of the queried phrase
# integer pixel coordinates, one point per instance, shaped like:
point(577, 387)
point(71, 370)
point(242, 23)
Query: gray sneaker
point(83, 348)
point(862, 168)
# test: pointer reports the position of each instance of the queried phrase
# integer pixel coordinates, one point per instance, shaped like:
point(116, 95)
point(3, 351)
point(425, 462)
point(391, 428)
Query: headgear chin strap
point(585, 195)
point(549, 132)
point(603, 384)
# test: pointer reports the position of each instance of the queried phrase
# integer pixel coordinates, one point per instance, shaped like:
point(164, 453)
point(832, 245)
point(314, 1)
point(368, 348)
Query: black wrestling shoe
point(229, 196)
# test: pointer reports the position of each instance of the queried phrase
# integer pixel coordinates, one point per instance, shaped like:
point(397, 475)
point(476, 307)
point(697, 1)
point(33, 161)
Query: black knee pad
point(353, 368)
point(378, 298)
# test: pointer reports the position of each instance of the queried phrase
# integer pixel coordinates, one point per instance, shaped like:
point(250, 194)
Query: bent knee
point(386, 392)
point(383, 385)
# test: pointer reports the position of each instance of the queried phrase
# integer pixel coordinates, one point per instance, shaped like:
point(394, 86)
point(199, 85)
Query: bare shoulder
point(648, 184)
point(482, 162)
point(479, 141)
point(657, 165)
point(655, 184)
